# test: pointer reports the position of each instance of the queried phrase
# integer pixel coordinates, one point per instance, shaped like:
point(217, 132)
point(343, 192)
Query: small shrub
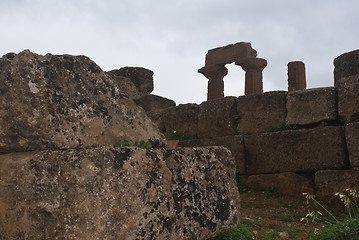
point(236, 118)
point(272, 192)
point(334, 228)
point(242, 187)
point(241, 232)
point(282, 127)
point(179, 136)
point(347, 229)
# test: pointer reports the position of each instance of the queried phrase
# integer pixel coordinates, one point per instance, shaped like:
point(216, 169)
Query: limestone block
point(63, 101)
point(329, 182)
point(261, 111)
point(150, 102)
point(348, 101)
point(305, 150)
point(312, 106)
point(182, 119)
point(232, 143)
point(124, 85)
point(287, 183)
point(141, 77)
point(215, 117)
point(229, 53)
point(122, 193)
point(352, 140)
point(346, 65)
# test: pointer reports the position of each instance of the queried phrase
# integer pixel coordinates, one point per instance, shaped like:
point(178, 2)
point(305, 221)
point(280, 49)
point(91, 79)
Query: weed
point(334, 228)
point(241, 232)
point(272, 192)
point(242, 187)
point(236, 118)
point(179, 136)
point(281, 127)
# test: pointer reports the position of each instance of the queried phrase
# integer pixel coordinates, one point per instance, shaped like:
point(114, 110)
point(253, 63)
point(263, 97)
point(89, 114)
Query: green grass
point(282, 127)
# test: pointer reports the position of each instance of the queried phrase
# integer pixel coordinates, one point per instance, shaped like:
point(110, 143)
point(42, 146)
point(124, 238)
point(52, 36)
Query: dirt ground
point(270, 214)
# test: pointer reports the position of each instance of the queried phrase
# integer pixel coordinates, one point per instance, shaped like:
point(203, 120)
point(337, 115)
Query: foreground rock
point(61, 102)
point(124, 193)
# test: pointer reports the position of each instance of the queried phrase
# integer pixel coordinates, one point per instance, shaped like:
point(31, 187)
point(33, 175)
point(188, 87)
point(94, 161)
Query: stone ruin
point(241, 54)
point(62, 178)
point(244, 55)
point(300, 140)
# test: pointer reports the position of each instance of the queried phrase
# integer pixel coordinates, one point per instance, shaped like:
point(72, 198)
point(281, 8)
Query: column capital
point(213, 71)
point(252, 63)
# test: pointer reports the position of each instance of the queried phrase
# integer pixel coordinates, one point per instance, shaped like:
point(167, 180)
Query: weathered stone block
point(352, 140)
point(150, 102)
point(229, 53)
point(348, 101)
point(312, 106)
point(287, 183)
point(124, 85)
point(306, 150)
point(60, 102)
point(182, 119)
point(261, 111)
point(346, 65)
point(232, 143)
point(122, 193)
point(215, 117)
point(329, 182)
point(141, 77)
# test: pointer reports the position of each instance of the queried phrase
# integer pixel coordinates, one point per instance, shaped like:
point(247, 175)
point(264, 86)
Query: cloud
point(171, 37)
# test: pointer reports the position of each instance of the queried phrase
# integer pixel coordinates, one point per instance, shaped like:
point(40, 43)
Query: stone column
point(253, 77)
point(296, 76)
point(215, 75)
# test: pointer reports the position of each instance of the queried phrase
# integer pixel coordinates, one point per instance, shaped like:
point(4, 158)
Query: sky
point(171, 37)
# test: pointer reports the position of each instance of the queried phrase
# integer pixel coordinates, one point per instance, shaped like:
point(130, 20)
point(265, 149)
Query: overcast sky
point(171, 37)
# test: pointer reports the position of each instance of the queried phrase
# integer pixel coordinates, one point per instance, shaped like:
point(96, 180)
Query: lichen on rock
point(64, 101)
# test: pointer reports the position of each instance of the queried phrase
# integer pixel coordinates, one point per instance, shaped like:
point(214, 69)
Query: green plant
point(242, 187)
point(141, 144)
point(236, 118)
point(281, 127)
point(347, 229)
point(179, 136)
point(241, 232)
point(334, 228)
point(271, 191)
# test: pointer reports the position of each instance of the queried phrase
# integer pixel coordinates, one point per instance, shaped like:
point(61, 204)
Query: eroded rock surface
point(61, 102)
point(117, 193)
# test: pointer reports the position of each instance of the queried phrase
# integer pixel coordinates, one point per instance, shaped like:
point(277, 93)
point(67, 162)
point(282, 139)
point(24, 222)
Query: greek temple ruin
point(244, 55)
point(241, 54)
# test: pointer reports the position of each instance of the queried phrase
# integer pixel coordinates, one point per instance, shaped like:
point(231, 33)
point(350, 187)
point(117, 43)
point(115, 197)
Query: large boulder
point(346, 65)
point(215, 117)
point(150, 102)
point(305, 150)
point(182, 119)
point(141, 77)
point(352, 140)
point(312, 106)
point(233, 143)
point(117, 193)
point(259, 112)
point(61, 102)
point(348, 101)
point(329, 182)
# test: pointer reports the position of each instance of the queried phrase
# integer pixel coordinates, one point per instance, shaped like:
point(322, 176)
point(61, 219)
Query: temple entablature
point(241, 54)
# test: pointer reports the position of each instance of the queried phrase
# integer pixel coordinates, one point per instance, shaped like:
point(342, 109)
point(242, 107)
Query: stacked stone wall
point(304, 135)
